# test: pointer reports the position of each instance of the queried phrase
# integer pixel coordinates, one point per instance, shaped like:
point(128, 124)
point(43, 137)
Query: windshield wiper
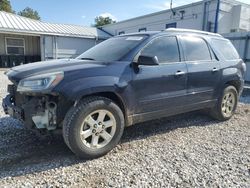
point(87, 58)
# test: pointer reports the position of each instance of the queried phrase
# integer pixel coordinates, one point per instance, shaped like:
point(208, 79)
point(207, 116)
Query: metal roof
point(18, 24)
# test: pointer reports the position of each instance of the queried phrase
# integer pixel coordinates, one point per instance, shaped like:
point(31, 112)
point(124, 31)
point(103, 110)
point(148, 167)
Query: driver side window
point(165, 48)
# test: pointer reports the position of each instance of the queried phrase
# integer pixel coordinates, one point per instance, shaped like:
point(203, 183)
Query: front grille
point(11, 89)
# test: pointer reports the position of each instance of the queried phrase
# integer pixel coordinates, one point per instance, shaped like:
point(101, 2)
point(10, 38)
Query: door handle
point(179, 73)
point(215, 69)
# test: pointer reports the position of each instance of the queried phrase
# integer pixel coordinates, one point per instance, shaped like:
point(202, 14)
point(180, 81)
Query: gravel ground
point(189, 150)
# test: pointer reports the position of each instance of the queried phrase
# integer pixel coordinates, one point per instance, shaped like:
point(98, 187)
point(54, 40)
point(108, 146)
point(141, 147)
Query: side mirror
point(147, 60)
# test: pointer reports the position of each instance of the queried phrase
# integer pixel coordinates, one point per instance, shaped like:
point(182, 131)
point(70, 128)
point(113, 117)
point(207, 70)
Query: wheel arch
point(235, 83)
point(233, 77)
point(116, 98)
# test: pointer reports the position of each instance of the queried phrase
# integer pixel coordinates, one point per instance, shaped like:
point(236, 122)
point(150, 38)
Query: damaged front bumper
point(35, 112)
point(12, 110)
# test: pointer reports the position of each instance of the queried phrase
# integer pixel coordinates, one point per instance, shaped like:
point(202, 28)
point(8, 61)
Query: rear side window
point(165, 48)
point(226, 49)
point(195, 49)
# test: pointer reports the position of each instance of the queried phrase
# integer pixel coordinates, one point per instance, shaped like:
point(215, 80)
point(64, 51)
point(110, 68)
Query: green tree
point(6, 6)
point(29, 13)
point(100, 21)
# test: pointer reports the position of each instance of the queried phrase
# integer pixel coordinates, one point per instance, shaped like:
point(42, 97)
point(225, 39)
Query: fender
point(77, 89)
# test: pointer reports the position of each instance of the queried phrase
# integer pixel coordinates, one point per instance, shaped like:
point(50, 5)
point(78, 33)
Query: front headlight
point(40, 82)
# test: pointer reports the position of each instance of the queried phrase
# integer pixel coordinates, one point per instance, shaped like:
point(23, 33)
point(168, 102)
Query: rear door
point(161, 87)
point(204, 72)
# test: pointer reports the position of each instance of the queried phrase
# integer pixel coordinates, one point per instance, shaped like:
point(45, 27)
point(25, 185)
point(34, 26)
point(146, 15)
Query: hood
point(23, 71)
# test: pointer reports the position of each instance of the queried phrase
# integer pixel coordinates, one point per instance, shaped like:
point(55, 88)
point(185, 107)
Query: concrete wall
point(55, 47)
point(32, 44)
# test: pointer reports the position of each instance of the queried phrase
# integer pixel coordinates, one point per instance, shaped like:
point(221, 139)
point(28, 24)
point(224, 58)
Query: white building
point(23, 40)
point(222, 16)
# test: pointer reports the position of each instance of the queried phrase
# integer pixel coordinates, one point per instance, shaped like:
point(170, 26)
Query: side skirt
point(139, 118)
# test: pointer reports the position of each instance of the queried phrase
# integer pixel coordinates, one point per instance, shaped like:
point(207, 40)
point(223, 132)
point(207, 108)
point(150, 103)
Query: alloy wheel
point(98, 129)
point(228, 104)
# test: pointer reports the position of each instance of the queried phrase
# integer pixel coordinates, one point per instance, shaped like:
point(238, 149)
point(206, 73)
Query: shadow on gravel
point(23, 152)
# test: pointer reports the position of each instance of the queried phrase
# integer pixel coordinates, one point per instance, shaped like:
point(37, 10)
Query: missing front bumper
point(10, 109)
point(46, 119)
point(37, 112)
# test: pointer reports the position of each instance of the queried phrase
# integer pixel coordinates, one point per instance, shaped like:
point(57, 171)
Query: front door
point(161, 87)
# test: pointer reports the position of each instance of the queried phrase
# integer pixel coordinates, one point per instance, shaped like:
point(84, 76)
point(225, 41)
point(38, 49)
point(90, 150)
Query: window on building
point(233, 30)
point(195, 49)
point(142, 29)
point(121, 33)
point(171, 25)
point(210, 27)
point(165, 48)
point(15, 46)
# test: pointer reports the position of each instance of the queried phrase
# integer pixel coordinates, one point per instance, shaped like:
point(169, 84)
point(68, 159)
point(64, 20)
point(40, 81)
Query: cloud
point(244, 1)
point(106, 14)
point(83, 17)
point(166, 4)
point(159, 6)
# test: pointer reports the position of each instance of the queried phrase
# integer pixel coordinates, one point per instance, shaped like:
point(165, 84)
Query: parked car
point(126, 80)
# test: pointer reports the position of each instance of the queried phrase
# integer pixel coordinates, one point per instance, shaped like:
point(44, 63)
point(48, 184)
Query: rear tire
point(93, 127)
point(226, 104)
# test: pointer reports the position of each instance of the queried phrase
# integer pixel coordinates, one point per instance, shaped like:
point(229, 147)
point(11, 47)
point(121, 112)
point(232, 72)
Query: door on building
point(48, 47)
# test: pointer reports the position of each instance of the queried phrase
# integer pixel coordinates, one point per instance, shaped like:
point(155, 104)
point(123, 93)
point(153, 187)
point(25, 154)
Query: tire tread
point(216, 111)
point(72, 115)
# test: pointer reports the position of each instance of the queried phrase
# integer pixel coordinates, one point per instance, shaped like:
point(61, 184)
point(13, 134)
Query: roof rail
point(192, 31)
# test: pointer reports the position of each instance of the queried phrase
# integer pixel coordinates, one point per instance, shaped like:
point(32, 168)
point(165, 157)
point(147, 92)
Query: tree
point(6, 6)
point(100, 21)
point(29, 13)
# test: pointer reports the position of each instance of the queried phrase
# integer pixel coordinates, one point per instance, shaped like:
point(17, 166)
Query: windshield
point(113, 49)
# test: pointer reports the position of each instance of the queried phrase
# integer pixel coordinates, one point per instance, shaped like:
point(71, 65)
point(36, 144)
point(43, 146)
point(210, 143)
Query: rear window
point(196, 49)
point(226, 49)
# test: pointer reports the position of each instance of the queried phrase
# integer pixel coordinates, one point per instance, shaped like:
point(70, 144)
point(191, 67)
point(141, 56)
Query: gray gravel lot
point(189, 150)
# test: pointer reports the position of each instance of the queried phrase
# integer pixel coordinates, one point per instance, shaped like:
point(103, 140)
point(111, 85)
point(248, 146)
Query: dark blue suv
point(123, 81)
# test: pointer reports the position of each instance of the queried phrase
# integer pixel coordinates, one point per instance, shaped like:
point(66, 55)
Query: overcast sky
point(83, 12)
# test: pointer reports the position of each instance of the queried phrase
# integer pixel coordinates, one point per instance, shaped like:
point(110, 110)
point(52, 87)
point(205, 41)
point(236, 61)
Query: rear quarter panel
point(231, 70)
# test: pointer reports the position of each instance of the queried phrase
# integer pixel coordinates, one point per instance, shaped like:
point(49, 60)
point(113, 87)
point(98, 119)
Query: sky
point(83, 12)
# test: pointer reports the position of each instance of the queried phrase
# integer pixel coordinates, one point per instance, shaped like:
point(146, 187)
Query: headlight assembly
point(40, 82)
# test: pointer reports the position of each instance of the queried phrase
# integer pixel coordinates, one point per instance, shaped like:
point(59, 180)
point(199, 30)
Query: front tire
point(93, 127)
point(226, 105)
